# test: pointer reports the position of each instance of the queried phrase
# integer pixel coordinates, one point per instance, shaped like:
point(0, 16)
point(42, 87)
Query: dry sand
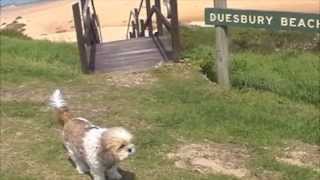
point(53, 20)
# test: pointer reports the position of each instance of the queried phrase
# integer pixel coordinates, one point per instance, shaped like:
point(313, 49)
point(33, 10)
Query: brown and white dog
point(92, 149)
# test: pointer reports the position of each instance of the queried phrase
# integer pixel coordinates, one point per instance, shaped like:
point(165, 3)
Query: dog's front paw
point(115, 175)
point(81, 168)
point(80, 171)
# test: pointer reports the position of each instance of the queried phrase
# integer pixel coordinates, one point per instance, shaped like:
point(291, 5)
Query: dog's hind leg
point(97, 174)
point(81, 167)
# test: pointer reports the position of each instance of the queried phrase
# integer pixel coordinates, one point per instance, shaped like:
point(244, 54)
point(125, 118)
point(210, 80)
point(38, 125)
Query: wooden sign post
point(221, 18)
point(222, 48)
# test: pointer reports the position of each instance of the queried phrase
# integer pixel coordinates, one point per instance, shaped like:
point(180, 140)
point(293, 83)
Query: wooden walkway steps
point(127, 55)
point(138, 52)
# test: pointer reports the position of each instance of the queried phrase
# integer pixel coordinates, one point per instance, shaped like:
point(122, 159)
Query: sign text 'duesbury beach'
point(263, 19)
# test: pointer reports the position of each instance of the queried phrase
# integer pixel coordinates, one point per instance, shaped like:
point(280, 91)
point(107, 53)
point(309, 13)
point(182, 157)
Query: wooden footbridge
point(150, 41)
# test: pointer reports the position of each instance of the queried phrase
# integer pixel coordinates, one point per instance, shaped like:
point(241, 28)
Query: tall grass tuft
point(13, 33)
point(26, 60)
point(286, 63)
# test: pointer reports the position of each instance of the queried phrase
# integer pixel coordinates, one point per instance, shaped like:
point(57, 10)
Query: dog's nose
point(131, 150)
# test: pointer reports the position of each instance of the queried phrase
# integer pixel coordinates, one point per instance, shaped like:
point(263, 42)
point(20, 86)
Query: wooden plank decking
point(135, 54)
point(127, 55)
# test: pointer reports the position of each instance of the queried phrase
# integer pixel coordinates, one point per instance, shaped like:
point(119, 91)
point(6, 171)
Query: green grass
point(13, 33)
point(274, 101)
point(218, 114)
point(24, 60)
point(292, 73)
point(262, 41)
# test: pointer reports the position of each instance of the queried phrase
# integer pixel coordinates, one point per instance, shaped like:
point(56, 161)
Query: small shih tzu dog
point(92, 149)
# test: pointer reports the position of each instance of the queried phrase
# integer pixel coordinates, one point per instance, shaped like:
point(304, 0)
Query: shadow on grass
point(126, 175)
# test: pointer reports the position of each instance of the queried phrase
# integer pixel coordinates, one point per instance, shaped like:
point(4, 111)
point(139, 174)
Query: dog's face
point(116, 145)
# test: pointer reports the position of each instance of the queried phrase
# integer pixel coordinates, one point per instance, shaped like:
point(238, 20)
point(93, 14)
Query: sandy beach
point(53, 20)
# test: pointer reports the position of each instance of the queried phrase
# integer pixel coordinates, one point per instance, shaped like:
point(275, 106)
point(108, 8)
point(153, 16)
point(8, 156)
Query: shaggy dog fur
point(92, 149)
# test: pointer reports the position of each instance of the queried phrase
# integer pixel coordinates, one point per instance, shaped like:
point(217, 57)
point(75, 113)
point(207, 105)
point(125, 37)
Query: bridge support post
point(142, 33)
point(136, 16)
point(81, 42)
point(134, 30)
point(148, 7)
point(159, 24)
point(175, 33)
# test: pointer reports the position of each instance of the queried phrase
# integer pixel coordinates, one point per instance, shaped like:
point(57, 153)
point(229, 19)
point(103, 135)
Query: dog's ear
point(108, 150)
point(112, 141)
point(108, 158)
point(111, 144)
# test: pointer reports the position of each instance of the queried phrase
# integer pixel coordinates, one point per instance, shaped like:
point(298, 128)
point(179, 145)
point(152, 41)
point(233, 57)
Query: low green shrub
point(256, 40)
point(29, 60)
point(13, 33)
point(283, 63)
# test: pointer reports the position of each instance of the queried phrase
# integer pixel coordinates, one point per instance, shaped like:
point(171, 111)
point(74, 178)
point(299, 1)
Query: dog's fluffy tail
point(60, 106)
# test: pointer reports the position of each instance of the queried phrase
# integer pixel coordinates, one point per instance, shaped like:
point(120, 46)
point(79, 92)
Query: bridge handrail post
point(142, 28)
point(80, 38)
point(136, 16)
point(148, 8)
point(159, 24)
point(134, 30)
point(175, 31)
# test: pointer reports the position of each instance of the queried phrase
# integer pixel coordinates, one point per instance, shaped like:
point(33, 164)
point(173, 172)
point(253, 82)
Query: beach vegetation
point(273, 108)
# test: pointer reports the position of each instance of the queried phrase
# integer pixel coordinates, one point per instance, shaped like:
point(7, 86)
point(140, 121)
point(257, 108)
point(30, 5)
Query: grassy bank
point(284, 63)
point(25, 60)
point(166, 108)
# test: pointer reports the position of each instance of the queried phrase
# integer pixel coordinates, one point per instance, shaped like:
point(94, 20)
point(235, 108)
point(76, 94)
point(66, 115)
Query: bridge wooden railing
point(161, 37)
point(135, 23)
point(88, 32)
